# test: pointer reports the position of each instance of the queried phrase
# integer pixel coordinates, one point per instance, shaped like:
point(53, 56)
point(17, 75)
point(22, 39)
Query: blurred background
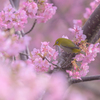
point(55, 28)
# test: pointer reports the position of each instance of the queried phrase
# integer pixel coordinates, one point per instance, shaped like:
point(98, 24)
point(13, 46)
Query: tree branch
point(92, 26)
point(31, 27)
point(50, 62)
point(15, 3)
point(84, 79)
point(26, 51)
point(91, 30)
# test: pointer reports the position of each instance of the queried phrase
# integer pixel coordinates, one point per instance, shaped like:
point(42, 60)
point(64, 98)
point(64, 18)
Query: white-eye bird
point(67, 45)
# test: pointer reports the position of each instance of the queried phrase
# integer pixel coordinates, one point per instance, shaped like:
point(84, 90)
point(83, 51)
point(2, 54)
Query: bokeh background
point(67, 11)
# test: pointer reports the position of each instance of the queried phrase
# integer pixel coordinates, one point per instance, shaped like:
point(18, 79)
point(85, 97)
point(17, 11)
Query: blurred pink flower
point(97, 0)
point(80, 72)
point(76, 29)
point(55, 92)
point(30, 7)
point(45, 11)
point(79, 57)
point(77, 22)
point(88, 13)
point(78, 33)
point(11, 18)
point(85, 70)
point(80, 36)
point(74, 74)
point(38, 60)
point(64, 37)
point(11, 44)
point(18, 81)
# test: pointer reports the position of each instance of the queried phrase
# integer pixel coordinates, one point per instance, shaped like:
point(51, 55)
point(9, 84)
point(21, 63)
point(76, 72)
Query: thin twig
point(84, 79)
point(50, 62)
point(31, 27)
point(66, 65)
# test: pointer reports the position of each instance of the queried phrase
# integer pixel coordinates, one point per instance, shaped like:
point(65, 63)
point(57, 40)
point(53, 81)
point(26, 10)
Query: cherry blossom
point(80, 36)
point(45, 11)
point(38, 58)
point(12, 18)
point(20, 78)
point(30, 7)
point(75, 30)
point(77, 22)
point(11, 44)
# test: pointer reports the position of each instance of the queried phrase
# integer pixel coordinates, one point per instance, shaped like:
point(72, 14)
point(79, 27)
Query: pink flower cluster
point(81, 61)
point(45, 11)
point(41, 11)
point(77, 22)
point(10, 17)
point(38, 60)
point(97, 1)
point(20, 79)
point(11, 44)
point(78, 33)
point(30, 8)
point(93, 6)
point(81, 67)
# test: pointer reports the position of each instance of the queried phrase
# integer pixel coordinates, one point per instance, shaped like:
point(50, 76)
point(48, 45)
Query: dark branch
point(50, 62)
point(84, 79)
point(92, 26)
point(91, 30)
point(22, 56)
point(15, 3)
point(31, 27)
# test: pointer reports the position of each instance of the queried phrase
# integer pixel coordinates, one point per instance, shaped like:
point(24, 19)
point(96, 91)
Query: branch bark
point(91, 30)
point(24, 57)
point(92, 26)
point(84, 79)
point(31, 27)
point(15, 3)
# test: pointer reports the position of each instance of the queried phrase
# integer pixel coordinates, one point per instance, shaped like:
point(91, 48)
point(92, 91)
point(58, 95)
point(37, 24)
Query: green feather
point(67, 45)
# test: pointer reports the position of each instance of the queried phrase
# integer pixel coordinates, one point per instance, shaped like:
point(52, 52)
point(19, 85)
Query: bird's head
point(58, 42)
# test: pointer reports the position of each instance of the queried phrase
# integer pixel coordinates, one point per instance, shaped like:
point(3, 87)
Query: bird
point(67, 45)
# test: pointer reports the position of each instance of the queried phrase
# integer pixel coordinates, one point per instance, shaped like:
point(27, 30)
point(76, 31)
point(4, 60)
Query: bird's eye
point(57, 42)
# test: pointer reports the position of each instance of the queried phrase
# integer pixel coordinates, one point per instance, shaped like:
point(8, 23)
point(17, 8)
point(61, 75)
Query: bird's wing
point(70, 45)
